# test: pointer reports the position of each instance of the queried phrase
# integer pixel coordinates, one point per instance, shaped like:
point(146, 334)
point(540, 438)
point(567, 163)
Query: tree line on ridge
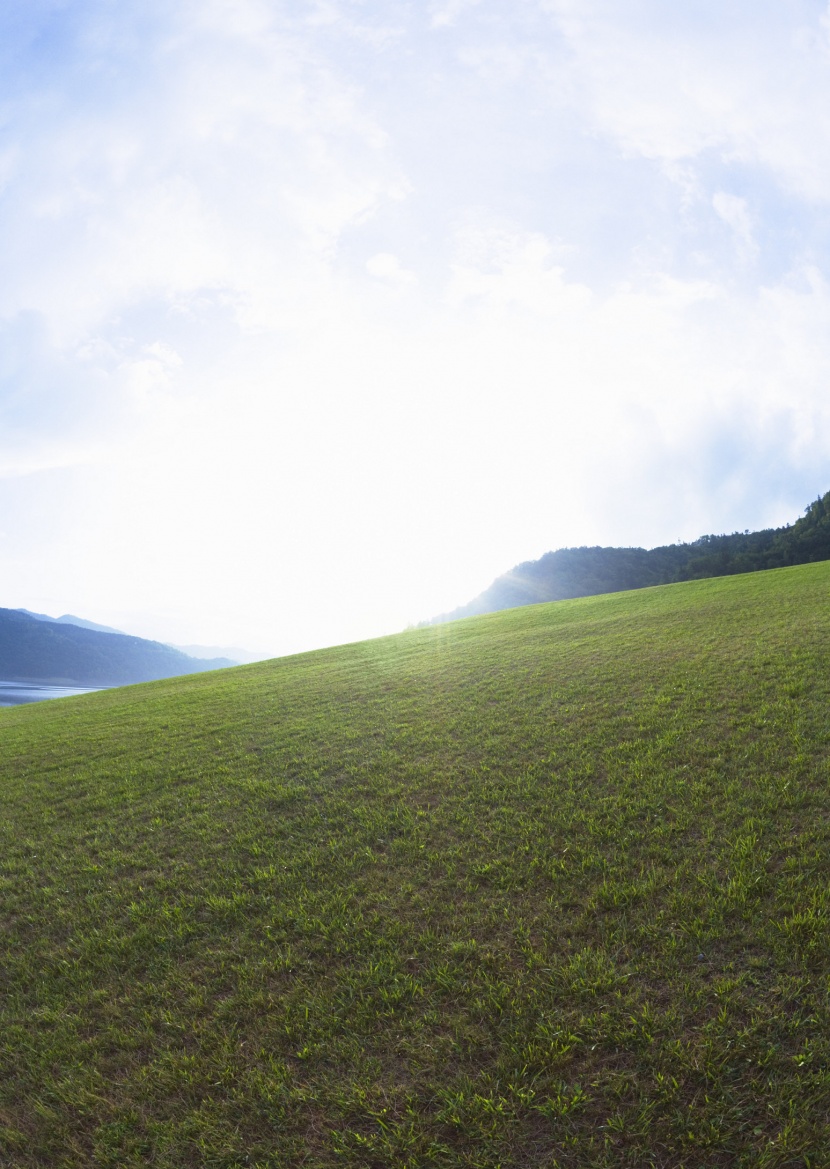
point(585, 572)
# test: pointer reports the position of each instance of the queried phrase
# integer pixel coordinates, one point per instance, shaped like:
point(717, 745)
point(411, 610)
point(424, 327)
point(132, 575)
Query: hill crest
point(590, 571)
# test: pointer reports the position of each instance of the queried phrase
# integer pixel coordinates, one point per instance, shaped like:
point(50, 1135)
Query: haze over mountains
point(70, 619)
point(73, 651)
point(62, 651)
point(586, 572)
point(235, 653)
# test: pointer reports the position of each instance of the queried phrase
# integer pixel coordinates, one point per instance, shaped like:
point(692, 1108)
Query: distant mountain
point(36, 648)
point(68, 619)
point(586, 572)
point(240, 656)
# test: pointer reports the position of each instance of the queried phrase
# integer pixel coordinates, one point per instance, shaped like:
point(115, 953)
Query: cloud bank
point(317, 316)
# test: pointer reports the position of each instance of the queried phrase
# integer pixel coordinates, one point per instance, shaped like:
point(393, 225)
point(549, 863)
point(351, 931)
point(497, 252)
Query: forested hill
point(46, 651)
point(586, 572)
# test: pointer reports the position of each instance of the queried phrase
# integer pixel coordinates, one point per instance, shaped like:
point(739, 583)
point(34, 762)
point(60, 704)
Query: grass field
point(549, 887)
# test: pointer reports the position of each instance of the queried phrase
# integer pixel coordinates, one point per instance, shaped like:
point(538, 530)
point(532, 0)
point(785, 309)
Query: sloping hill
point(547, 887)
point(38, 649)
point(587, 572)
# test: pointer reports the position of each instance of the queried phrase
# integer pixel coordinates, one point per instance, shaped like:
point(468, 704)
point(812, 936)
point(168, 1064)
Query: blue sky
point(316, 316)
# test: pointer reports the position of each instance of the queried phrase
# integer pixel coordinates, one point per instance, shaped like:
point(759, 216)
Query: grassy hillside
point(545, 887)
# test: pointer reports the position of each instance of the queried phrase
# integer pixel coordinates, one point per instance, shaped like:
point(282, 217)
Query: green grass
point(548, 887)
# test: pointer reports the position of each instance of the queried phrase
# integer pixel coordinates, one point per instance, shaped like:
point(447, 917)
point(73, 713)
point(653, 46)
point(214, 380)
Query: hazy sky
point(316, 316)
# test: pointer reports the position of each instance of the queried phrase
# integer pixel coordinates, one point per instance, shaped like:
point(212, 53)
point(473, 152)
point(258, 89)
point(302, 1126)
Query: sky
point(317, 315)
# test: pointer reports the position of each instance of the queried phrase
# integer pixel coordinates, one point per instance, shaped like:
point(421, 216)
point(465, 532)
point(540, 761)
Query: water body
point(18, 693)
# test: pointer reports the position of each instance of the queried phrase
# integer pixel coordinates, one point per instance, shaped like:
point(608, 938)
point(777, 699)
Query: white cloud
point(385, 266)
point(511, 268)
point(446, 12)
point(234, 161)
point(672, 84)
point(734, 212)
point(166, 354)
